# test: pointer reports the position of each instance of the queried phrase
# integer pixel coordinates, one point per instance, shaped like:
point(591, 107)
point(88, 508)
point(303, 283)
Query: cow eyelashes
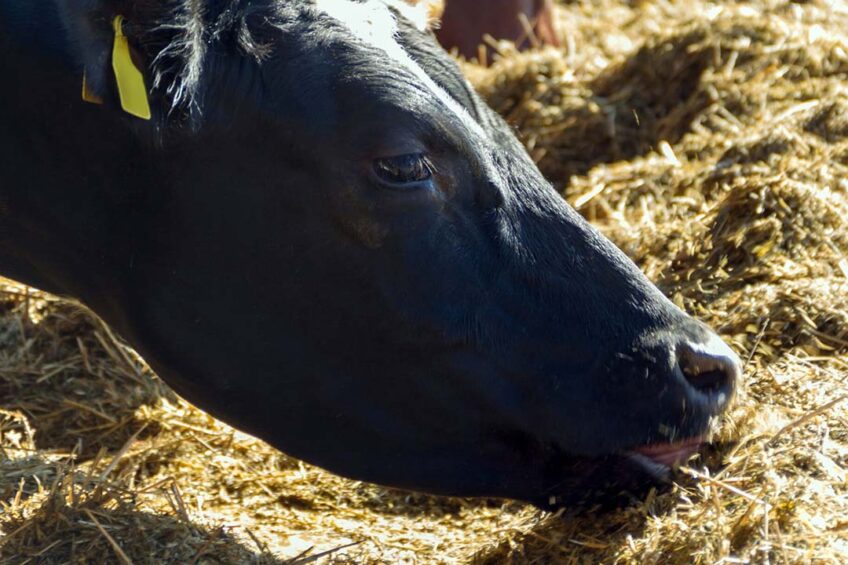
point(404, 171)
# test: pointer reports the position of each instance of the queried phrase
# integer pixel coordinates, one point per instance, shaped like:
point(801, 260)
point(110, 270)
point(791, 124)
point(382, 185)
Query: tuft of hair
point(177, 37)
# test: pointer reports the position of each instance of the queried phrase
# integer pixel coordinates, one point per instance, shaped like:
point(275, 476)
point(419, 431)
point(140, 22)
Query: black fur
point(470, 335)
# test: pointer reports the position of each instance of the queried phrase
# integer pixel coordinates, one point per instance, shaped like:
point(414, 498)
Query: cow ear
point(105, 35)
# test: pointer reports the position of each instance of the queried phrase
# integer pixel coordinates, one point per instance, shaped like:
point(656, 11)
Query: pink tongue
point(670, 454)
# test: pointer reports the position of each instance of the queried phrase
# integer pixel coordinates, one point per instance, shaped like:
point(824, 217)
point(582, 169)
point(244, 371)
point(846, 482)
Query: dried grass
point(710, 141)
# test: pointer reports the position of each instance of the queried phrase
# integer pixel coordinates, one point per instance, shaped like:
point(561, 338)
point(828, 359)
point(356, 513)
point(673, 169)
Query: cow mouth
point(659, 458)
point(615, 480)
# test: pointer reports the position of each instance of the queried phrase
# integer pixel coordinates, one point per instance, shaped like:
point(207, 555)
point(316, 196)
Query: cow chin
point(602, 483)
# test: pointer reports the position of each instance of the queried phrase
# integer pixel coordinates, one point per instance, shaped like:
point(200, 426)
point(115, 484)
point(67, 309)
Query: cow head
point(332, 243)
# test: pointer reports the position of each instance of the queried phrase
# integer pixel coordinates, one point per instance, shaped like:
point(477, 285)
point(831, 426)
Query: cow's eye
point(404, 171)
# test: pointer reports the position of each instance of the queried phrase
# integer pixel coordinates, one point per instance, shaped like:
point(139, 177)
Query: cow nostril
point(709, 381)
point(711, 368)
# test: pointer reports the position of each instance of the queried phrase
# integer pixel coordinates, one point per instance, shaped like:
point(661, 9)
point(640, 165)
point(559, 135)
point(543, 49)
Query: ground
point(710, 141)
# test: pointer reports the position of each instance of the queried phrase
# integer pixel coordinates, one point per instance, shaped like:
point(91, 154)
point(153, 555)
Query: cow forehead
point(373, 23)
point(418, 12)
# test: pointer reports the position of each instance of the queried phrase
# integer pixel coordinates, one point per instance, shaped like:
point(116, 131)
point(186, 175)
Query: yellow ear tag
point(87, 94)
point(130, 81)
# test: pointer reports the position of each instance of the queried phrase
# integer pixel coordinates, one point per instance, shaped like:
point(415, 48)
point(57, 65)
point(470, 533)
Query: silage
point(710, 142)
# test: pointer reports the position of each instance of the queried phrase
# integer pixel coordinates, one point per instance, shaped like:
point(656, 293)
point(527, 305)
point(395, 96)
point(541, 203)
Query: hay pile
point(710, 141)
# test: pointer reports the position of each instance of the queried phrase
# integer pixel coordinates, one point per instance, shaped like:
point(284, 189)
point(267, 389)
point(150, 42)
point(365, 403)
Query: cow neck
point(69, 171)
point(35, 23)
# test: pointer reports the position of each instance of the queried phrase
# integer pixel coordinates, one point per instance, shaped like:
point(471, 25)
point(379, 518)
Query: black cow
point(323, 237)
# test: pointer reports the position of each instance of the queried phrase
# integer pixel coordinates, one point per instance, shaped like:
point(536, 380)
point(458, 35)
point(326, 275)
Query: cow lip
point(668, 455)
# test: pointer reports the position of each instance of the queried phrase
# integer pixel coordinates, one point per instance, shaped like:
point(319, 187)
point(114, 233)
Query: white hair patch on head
point(372, 22)
point(423, 14)
point(416, 11)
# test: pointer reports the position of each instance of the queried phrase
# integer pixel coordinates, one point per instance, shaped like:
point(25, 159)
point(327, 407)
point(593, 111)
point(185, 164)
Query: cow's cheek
point(356, 218)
